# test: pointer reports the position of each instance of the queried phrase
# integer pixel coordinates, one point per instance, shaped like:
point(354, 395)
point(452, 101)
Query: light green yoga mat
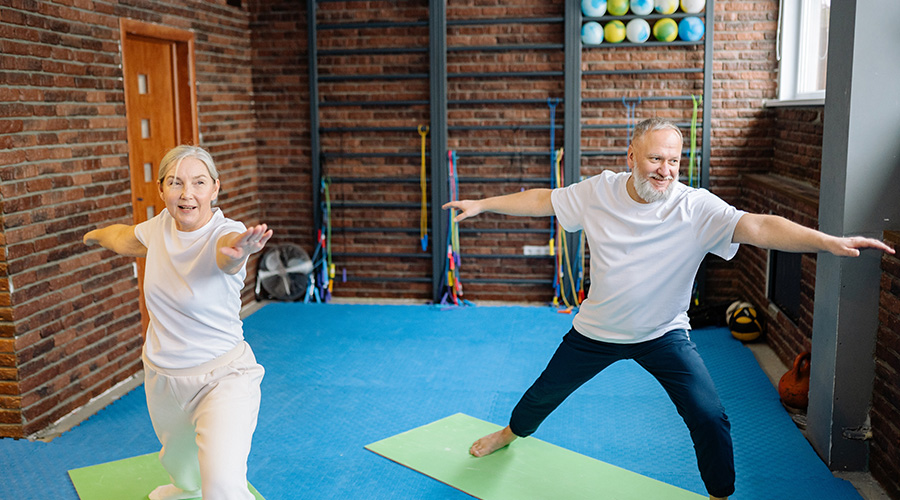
point(129, 479)
point(527, 469)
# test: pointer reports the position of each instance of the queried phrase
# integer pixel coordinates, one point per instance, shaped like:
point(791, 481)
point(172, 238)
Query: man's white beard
point(647, 192)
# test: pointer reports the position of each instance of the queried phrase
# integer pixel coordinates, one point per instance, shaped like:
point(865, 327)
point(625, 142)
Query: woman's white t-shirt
point(194, 306)
point(644, 257)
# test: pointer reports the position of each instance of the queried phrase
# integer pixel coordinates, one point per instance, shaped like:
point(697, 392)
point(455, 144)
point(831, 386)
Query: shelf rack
point(438, 105)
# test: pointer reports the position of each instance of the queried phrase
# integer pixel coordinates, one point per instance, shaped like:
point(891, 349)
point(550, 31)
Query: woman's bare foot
point(492, 442)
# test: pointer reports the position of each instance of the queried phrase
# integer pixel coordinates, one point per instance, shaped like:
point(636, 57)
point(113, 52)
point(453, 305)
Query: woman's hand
point(248, 243)
point(234, 248)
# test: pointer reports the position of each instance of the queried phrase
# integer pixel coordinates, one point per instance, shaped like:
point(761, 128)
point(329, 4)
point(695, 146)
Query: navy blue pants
point(673, 360)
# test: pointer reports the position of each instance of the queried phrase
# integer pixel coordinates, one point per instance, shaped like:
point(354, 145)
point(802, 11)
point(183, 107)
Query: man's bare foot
point(717, 498)
point(492, 442)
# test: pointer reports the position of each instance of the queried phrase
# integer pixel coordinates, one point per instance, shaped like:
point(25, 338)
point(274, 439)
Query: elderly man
point(647, 234)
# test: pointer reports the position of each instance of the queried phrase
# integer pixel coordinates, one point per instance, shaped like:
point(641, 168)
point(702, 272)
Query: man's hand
point(466, 208)
point(850, 246)
point(531, 203)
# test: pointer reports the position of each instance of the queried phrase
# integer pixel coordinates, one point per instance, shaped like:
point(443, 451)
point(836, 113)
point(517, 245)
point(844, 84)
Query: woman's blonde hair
point(178, 153)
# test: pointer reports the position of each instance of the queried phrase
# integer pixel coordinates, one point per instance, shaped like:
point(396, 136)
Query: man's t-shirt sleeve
point(715, 228)
point(569, 202)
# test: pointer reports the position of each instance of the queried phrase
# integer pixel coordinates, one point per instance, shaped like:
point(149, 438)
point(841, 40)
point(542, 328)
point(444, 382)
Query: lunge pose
point(647, 234)
point(200, 376)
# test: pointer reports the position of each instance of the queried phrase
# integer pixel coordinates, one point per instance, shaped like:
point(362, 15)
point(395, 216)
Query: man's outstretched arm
point(778, 233)
point(533, 202)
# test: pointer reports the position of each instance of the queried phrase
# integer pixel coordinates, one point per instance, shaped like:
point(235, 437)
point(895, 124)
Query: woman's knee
point(222, 483)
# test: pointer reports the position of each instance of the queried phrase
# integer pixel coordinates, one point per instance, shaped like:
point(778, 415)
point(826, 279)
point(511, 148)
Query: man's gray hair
point(654, 124)
point(178, 153)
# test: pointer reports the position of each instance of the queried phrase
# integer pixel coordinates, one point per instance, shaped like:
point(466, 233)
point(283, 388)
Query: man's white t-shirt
point(644, 256)
point(193, 305)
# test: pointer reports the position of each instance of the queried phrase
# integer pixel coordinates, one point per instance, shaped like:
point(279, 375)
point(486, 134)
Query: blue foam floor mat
point(341, 376)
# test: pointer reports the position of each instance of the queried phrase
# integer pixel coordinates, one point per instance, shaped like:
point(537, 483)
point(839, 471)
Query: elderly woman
point(200, 376)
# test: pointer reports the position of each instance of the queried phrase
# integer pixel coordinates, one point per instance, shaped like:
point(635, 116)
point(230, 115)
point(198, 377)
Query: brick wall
point(744, 75)
point(798, 202)
point(884, 461)
point(791, 190)
point(62, 146)
point(492, 245)
point(69, 318)
point(375, 199)
point(281, 103)
point(797, 138)
point(744, 67)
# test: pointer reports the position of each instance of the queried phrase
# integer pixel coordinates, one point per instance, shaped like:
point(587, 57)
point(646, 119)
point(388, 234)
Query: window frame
point(792, 25)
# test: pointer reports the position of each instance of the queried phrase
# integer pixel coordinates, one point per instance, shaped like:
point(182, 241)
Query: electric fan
point(283, 273)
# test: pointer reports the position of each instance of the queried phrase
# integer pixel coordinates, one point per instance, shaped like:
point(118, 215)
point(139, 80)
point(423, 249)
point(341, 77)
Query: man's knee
point(711, 418)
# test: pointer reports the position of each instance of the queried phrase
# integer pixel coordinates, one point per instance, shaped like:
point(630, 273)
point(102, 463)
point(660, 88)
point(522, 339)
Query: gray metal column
point(314, 150)
point(860, 172)
point(706, 133)
point(572, 123)
point(440, 191)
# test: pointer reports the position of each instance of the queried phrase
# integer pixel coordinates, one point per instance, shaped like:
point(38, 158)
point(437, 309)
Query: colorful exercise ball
point(665, 30)
point(690, 29)
point(693, 6)
point(743, 321)
point(614, 31)
point(666, 6)
point(593, 8)
point(637, 31)
point(617, 7)
point(641, 7)
point(591, 33)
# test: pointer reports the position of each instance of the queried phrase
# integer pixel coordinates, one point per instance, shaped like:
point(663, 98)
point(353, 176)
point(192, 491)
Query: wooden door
point(160, 108)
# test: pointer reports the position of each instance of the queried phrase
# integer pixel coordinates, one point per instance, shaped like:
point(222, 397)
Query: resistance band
point(693, 160)
point(423, 215)
point(319, 286)
point(695, 291)
point(630, 105)
point(452, 284)
point(556, 180)
point(580, 267)
point(563, 252)
point(328, 260)
point(553, 103)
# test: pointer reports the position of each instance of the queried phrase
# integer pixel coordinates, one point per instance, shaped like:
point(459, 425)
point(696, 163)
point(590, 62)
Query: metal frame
point(440, 169)
point(438, 105)
point(314, 146)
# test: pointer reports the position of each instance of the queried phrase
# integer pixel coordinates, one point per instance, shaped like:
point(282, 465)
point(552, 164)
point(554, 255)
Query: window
point(802, 49)
point(785, 275)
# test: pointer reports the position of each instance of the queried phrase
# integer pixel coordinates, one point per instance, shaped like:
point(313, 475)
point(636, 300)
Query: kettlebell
point(793, 388)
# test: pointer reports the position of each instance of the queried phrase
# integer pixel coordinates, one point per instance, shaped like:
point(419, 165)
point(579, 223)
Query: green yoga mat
point(129, 479)
point(528, 468)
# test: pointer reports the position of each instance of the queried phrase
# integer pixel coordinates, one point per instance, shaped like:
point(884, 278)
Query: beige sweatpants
point(204, 418)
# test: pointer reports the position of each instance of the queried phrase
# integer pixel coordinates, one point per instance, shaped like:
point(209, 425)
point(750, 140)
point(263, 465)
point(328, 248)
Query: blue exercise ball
point(691, 29)
point(591, 33)
point(641, 7)
point(693, 6)
point(666, 6)
point(593, 8)
point(637, 31)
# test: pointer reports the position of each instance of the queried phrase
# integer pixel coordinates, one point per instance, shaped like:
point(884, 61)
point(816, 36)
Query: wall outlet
point(536, 250)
